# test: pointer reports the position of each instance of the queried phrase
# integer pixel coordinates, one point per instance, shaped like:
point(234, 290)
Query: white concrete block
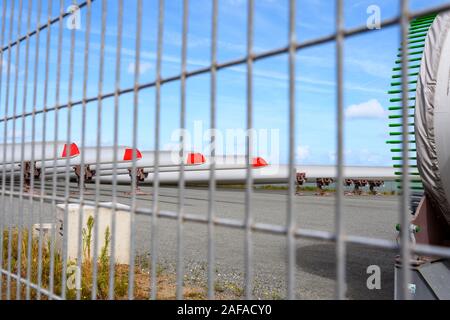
point(122, 245)
point(46, 231)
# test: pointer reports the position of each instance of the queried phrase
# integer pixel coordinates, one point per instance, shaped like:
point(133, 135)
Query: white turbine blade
point(221, 163)
point(167, 159)
point(265, 175)
point(124, 155)
point(171, 158)
point(15, 156)
point(146, 159)
point(232, 176)
point(193, 162)
point(230, 168)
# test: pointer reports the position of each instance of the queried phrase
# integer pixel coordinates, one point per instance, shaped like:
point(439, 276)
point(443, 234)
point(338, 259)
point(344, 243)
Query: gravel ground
point(369, 216)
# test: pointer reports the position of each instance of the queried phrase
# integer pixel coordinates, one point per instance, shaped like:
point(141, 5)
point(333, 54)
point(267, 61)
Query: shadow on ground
point(319, 259)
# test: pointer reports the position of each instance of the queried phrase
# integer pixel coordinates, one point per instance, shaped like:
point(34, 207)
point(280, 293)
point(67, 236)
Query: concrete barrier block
point(46, 229)
point(103, 223)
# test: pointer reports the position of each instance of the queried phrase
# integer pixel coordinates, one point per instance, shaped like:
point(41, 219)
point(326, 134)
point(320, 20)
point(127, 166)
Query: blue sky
point(368, 62)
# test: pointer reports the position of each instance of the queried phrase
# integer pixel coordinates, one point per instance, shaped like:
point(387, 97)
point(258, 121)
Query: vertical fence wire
point(291, 143)
point(3, 211)
point(212, 173)
point(22, 156)
point(4, 171)
point(339, 218)
point(67, 165)
point(13, 149)
point(115, 148)
point(81, 178)
point(155, 206)
point(13, 143)
point(404, 214)
point(13, 152)
point(33, 150)
point(248, 245)
point(56, 219)
point(135, 127)
point(43, 167)
point(181, 185)
point(98, 150)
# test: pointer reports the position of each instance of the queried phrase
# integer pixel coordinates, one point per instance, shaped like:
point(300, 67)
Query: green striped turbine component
point(418, 31)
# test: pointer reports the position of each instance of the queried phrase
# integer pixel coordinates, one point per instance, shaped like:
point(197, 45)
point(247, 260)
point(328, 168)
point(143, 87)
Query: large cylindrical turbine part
point(432, 116)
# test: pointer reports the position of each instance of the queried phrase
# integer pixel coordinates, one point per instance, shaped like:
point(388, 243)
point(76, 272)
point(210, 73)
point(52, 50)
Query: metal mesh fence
point(34, 192)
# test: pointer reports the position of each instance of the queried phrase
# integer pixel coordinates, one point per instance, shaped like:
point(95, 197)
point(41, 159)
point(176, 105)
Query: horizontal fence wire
point(290, 231)
point(50, 22)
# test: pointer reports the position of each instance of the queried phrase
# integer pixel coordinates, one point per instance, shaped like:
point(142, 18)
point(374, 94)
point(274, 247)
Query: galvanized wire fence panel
point(21, 192)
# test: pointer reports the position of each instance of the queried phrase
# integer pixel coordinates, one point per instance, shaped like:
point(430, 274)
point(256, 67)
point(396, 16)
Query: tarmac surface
point(368, 216)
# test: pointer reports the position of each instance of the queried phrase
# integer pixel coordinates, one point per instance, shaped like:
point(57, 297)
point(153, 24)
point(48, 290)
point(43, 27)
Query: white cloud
point(303, 152)
point(4, 65)
point(371, 109)
point(144, 67)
